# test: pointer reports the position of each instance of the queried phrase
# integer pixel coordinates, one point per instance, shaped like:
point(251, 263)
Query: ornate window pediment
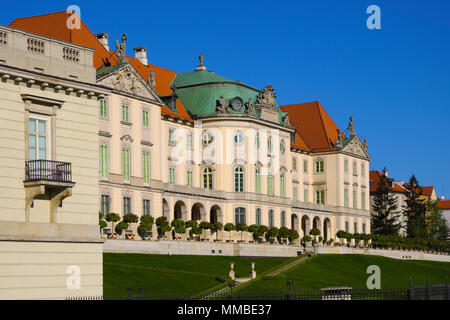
point(355, 147)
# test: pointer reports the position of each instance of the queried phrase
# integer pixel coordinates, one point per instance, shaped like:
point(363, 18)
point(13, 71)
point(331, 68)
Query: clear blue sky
point(394, 81)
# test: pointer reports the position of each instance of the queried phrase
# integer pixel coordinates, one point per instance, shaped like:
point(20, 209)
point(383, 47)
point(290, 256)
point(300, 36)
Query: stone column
point(253, 273)
point(231, 273)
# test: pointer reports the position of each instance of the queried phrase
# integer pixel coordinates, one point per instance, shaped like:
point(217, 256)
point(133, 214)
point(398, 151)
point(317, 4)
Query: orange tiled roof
point(428, 191)
point(375, 177)
point(53, 25)
point(444, 204)
point(314, 126)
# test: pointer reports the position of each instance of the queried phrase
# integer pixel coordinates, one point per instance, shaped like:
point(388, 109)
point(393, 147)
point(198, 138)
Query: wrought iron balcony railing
point(48, 170)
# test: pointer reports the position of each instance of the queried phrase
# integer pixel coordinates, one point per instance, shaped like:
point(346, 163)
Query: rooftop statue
point(350, 128)
point(121, 50)
point(151, 80)
point(249, 107)
point(286, 122)
point(267, 96)
point(222, 105)
point(201, 66)
point(338, 143)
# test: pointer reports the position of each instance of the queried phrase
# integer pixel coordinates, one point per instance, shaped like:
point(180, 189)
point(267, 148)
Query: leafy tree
point(163, 225)
point(314, 232)
point(436, 223)
point(385, 217)
point(272, 232)
point(241, 227)
point(216, 226)
point(229, 227)
point(263, 229)
point(130, 218)
point(204, 225)
point(102, 224)
point(197, 231)
point(178, 226)
point(415, 210)
point(293, 234)
point(121, 226)
point(146, 224)
point(252, 228)
point(283, 232)
point(191, 224)
point(112, 217)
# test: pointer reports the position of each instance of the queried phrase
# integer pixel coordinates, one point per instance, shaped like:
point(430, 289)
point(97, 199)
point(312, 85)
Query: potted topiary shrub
point(190, 225)
point(113, 218)
point(216, 227)
point(272, 233)
point(262, 230)
point(162, 226)
point(241, 227)
point(145, 226)
point(293, 235)
point(307, 240)
point(130, 218)
point(197, 231)
point(283, 234)
point(122, 225)
point(178, 227)
point(341, 235)
point(228, 228)
point(204, 225)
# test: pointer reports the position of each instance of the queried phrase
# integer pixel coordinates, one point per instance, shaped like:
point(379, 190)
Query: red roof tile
point(444, 204)
point(375, 177)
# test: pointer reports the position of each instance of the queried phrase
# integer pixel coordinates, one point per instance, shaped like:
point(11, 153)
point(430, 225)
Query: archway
point(215, 214)
point(180, 210)
point(294, 222)
point(165, 209)
point(317, 224)
point(306, 225)
point(326, 229)
point(198, 212)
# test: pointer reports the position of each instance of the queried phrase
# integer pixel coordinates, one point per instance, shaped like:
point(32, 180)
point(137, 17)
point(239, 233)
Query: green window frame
point(270, 184)
point(346, 198)
point(363, 200)
point(126, 164)
point(239, 179)
point(270, 218)
point(282, 184)
point(305, 166)
point(283, 219)
point(172, 175)
point(355, 199)
point(305, 195)
point(125, 113)
point(258, 180)
point(171, 137)
point(207, 178)
point(295, 193)
point(103, 108)
point(294, 164)
point(104, 162)
point(319, 197)
point(146, 167)
point(145, 118)
point(189, 178)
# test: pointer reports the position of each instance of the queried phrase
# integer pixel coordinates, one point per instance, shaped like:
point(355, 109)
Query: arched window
point(258, 217)
point(258, 180)
point(239, 179)
point(239, 215)
point(283, 219)
point(270, 218)
point(207, 178)
point(282, 184)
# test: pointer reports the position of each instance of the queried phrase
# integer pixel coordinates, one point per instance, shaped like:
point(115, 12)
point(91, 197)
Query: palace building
point(188, 145)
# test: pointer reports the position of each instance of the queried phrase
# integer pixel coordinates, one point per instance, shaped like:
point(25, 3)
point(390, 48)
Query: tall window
point(269, 144)
point(104, 164)
point(189, 178)
point(355, 170)
point(346, 198)
point(355, 227)
point(320, 196)
point(37, 139)
point(146, 167)
point(125, 113)
point(283, 219)
point(126, 205)
point(305, 166)
point(126, 164)
point(171, 175)
point(363, 228)
point(318, 166)
point(145, 207)
point(346, 166)
point(363, 170)
point(295, 193)
point(239, 215)
point(282, 184)
point(305, 195)
point(258, 180)
point(363, 200)
point(239, 179)
point(207, 178)
point(294, 164)
point(346, 226)
point(189, 144)
point(145, 120)
point(258, 217)
point(282, 146)
point(257, 140)
point(104, 208)
point(171, 137)
point(103, 108)
point(270, 184)
point(355, 200)
point(270, 218)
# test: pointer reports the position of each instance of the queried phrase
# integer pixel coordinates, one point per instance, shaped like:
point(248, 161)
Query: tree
point(241, 227)
point(197, 231)
point(415, 210)
point(178, 226)
point(229, 227)
point(216, 226)
point(272, 232)
point(435, 222)
point(293, 235)
point(283, 233)
point(204, 225)
point(163, 225)
point(146, 224)
point(385, 217)
point(102, 224)
point(113, 218)
point(121, 226)
point(130, 218)
point(314, 232)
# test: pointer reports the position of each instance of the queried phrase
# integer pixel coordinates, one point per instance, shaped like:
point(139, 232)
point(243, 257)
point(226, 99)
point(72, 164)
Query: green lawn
point(350, 270)
point(172, 274)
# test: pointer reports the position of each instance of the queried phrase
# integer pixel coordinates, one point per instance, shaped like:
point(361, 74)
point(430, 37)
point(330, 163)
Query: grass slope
point(350, 270)
point(172, 274)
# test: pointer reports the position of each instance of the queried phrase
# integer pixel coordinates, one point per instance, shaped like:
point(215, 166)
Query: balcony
point(47, 180)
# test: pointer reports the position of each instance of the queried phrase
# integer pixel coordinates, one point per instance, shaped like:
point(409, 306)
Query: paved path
point(287, 266)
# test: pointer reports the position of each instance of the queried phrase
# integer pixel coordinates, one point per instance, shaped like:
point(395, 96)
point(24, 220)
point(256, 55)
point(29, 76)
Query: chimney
point(103, 39)
point(140, 53)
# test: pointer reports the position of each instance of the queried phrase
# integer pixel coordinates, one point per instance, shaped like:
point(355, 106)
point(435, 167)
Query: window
point(171, 137)
point(104, 208)
point(125, 113)
point(145, 207)
point(207, 178)
point(189, 178)
point(239, 215)
point(282, 184)
point(257, 140)
point(104, 164)
point(320, 197)
point(145, 121)
point(355, 200)
point(37, 139)
point(238, 137)
point(295, 193)
point(363, 200)
point(270, 184)
point(294, 164)
point(258, 217)
point(239, 179)
point(258, 180)
point(282, 146)
point(269, 144)
point(236, 104)
point(283, 219)
point(189, 144)
point(363, 228)
point(126, 205)
point(363, 170)
point(146, 167)
point(346, 226)
point(103, 108)
point(318, 166)
point(171, 175)
point(305, 166)
point(126, 164)
point(355, 227)
point(346, 166)
point(206, 138)
point(270, 218)
point(306, 195)
point(355, 171)
point(346, 198)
